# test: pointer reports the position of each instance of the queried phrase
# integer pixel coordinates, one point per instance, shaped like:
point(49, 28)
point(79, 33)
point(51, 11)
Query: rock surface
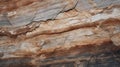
point(17, 13)
point(65, 34)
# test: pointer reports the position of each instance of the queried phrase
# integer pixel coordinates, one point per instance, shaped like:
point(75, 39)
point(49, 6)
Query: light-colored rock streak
point(102, 16)
point(84, 5)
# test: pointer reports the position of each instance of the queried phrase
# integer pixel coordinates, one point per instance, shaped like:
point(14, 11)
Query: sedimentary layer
point(74, 37)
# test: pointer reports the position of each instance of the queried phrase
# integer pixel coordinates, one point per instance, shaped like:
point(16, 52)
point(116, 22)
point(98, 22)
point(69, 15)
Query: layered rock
point(74, 38)
point(17, 13)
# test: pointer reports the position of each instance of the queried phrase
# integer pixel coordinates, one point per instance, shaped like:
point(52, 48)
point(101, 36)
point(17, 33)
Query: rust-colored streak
point(9, 5)
point(26, 29)
point(108, 22)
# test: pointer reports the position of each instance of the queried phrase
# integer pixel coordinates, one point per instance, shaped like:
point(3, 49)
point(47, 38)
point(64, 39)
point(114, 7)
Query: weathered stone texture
point(68, 33)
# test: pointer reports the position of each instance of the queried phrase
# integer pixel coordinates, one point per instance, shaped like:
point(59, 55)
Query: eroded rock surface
point(65, 34)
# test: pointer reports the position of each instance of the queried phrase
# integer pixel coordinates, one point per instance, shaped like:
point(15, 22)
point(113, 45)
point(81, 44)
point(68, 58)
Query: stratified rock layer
point(74, 38)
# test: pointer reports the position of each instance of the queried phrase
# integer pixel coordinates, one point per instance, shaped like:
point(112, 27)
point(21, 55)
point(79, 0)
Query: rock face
point(17, 13)
point(59, 33)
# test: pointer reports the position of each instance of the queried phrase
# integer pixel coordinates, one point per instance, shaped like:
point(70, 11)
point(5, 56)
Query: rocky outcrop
point(65, 34)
